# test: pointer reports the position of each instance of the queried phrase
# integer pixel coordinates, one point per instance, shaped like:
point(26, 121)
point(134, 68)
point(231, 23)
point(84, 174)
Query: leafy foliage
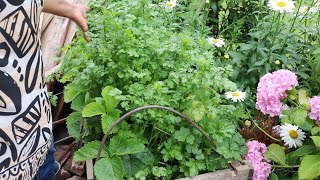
point(140, 54)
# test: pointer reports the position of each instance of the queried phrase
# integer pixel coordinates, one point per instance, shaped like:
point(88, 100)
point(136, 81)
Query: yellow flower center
point(215, 40)
point(235, 94)
point(281, 4)
point(247, 123)
point(170, 4)
point(293, 134)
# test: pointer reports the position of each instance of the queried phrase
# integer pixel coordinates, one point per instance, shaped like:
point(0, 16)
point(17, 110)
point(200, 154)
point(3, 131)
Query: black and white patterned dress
point(25, 114)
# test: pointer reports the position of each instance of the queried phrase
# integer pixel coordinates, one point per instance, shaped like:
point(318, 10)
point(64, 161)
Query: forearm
point(58, 7)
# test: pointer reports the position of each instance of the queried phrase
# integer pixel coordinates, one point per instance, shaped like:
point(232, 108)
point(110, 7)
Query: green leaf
point(276, 154)
point(307, 125)
point(309, 167)
point(304, 99)
point(146, 157)
point(293, 93)
point(111, 102)
point(317, 51)
point(74, 124)
point(89, 151)
point(245, 47)
point(93, 109)
point(182, 134)
point(316, 140)
point(303, 150)
point(112, 168)
point(298, 116)
point(78, 103)
point(71, 92)
point(123, 145)
point(108, 119)
point(131, 165)
point(273, 176)
point(315, 130)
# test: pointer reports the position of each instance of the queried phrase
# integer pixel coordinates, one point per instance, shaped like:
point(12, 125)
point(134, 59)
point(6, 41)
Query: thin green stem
point(275, 32)
point(285, 166)
point(255, 124)
point(292, 25)
point(162, 131)
point(296, 104)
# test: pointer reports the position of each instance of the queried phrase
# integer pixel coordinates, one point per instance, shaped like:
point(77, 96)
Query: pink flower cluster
point(261, 168)
point(272, 89)
point(315, 109)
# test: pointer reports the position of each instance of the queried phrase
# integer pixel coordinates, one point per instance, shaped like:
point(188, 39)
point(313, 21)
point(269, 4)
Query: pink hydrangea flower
point(272, 89)
point(261, 167)
point(315, 109)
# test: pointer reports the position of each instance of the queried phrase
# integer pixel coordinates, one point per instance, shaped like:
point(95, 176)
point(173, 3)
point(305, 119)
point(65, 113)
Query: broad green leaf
point(111, 102)
point(316, 140)
point(122, 145)
point(109, 119)
point(89, 151)
point(93, 109)
point(303, 150)
point(74, 124)
point(298, 116)
point(245, 47)
point(71, 92)
point(78, 103)
point(315, 130)
point(132, 165)
point(304, 99)
point(110, 168)
point(273, 176)
point(276, 154)
point(309, 167)
point(317, 51)
point(146, 156)
point(307, 125)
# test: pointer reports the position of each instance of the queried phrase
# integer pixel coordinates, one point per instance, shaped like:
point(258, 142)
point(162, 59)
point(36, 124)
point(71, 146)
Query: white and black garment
point(25, 114)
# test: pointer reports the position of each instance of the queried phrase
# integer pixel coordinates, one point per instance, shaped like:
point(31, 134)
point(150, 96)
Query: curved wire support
point(105, 137)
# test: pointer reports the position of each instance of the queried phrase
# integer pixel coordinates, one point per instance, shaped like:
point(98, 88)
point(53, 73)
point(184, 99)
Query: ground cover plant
point(141, 53)
point(241, 69)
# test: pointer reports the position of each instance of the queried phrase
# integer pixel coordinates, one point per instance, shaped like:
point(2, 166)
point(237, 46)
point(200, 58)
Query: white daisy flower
point(281, 5)
point(291, 135)
point(171, 4)
point(236, 95)
point(219, 42)
point(305, 9)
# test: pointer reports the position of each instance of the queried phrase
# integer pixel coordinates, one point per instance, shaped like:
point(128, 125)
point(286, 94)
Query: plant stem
point(285, 166)
point(255, 123)
point(292, 25)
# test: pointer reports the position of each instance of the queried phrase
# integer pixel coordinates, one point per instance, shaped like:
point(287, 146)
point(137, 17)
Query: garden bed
point(244, 79)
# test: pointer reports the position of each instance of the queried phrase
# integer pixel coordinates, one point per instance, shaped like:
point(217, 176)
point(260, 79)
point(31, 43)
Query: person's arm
point(75, 12)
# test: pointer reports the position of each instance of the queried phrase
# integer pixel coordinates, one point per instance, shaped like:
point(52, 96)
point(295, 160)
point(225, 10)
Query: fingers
point(80, 18)
point(84, 34)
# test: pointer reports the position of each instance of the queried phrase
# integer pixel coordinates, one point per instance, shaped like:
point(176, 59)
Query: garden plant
point(246, 72)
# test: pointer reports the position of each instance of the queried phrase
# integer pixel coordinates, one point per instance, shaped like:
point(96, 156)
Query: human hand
point(78, 15)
